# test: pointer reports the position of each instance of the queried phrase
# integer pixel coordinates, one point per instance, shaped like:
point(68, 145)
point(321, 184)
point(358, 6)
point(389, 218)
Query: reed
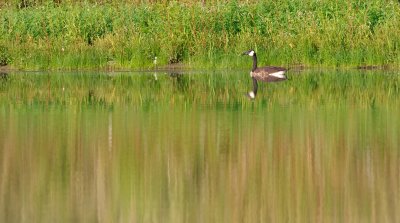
point(128, 35)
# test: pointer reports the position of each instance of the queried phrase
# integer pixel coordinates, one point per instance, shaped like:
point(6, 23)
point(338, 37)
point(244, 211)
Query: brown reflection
point(85, 164)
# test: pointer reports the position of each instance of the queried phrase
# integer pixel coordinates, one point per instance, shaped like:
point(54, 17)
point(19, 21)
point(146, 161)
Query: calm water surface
point(124, 163)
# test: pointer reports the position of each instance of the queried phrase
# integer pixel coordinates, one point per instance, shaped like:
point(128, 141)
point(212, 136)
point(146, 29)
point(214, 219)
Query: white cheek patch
point(279, 74)
point(252, 95)
point(251, 53)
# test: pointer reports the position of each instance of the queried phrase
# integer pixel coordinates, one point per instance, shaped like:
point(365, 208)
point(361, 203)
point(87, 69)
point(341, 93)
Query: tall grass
point(107, 34)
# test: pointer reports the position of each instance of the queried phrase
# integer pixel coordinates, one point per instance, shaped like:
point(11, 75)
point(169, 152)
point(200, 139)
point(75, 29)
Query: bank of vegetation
point(129, 35)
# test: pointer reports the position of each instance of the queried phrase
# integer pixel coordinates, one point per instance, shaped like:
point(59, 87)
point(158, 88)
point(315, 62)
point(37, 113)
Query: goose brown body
point(269, 74)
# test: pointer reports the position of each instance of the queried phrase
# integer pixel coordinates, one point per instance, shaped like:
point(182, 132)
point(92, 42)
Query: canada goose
point(266, 74)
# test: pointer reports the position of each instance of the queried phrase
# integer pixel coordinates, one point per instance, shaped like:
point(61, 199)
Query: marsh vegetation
point(128, 35)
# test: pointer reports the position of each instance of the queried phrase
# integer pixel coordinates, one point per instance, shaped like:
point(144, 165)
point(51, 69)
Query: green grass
point(215, 89)
point(112, 35)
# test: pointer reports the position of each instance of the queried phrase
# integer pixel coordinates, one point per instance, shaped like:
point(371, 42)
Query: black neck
point(255, 86)
point(254, 62)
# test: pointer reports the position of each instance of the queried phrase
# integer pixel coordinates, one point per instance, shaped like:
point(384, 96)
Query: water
point(68, 161)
